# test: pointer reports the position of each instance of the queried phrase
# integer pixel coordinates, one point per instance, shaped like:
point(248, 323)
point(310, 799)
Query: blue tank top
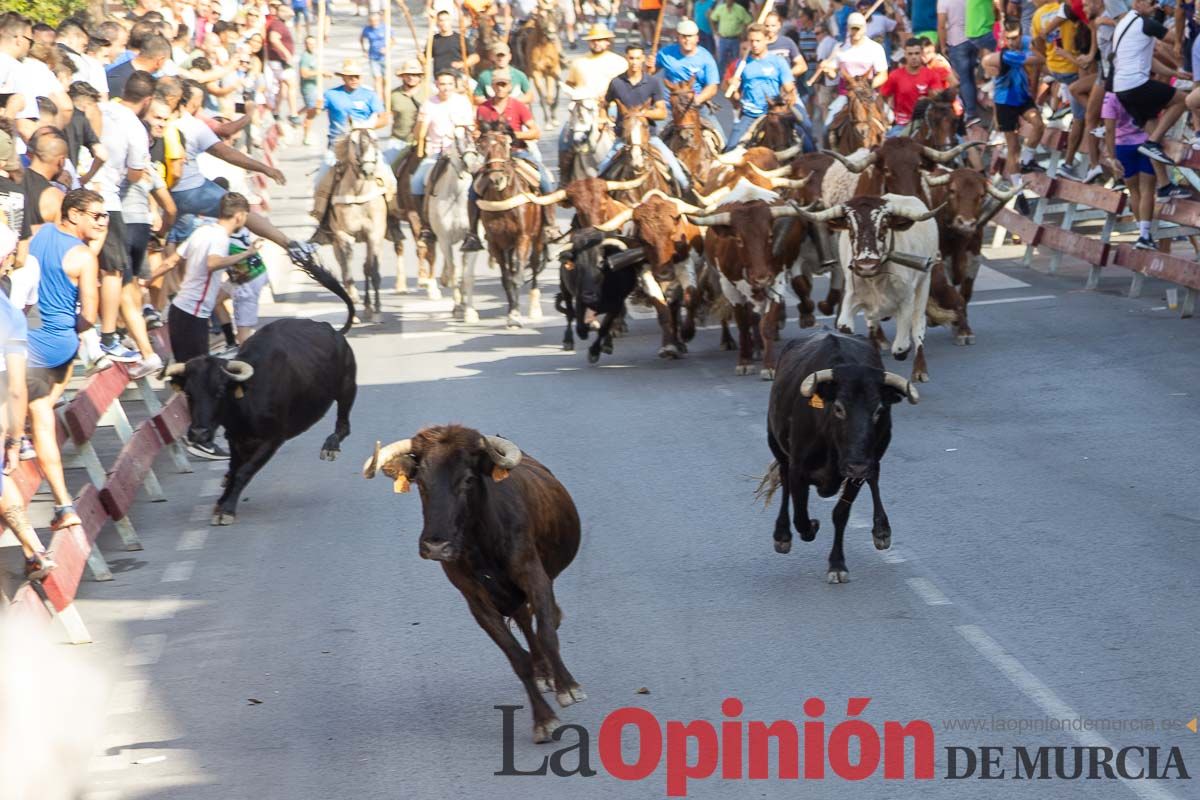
point(56, 342)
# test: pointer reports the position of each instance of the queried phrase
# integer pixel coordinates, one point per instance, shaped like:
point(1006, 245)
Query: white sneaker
point(147, 366)
point(1095, 172)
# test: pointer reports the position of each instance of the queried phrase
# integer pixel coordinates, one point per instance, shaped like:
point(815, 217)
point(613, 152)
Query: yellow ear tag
point(239, 392)
point(816, 402)
point(401, 485)
point(499, 474)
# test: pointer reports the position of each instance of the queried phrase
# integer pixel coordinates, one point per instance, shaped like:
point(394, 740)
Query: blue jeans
point(738, 131)
point(728, 51)
point(708, 42)
point(964, 58)
point(420, 175)
point(204, 200)
point(745, 121)
point(1066, 79)
point(658, 144)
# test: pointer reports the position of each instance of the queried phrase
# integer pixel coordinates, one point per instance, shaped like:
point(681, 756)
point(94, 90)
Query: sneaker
point(227, 352)
point(27, 451)
point(147, 366)
point(38, 566)
point(1144, 243)
point(1153, 150)
point(1175, 191)
point(152, 317)
point(120, 353)
point(211, 451)
point(1030, 166)
point(471, 244)
point(1092, 174)
point(1061, 112)
point(1067, 171)
point(64, 517)
point(1021, 204)
point(1098, 132)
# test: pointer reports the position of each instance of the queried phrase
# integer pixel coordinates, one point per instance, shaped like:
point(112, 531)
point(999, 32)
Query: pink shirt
point(1127, 131)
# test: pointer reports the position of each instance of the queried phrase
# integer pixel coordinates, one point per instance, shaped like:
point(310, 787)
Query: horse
point(541, 55)
point(694, 144)
point(447, 196)
point(638, 160)
point(775, 129)
point(513, 218)
point(485, 37)
point(358, 212)
point(590, 138)
point(408, 213)
point(862, 123)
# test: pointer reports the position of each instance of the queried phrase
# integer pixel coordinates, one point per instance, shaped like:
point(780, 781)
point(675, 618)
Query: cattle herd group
point(898, 229)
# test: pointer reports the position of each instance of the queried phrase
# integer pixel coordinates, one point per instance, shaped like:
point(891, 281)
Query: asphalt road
point(1042, 498)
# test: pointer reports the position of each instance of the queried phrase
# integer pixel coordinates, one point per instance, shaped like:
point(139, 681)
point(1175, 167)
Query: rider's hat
point(598, 31)
point(687, 28)
point(410, 66)
point(856, 20)
point(351, 68)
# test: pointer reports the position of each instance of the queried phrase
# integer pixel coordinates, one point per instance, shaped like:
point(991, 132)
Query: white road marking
point(1011, 300)
point(200, 513)
point(928, 592)
point(161, 608)
point(149, 760)
point(1045, 698)
point(146, 650)
point(192, 540)
point(891, 556)
point(178, 571)
point(211, 488)
point(101, 795)
point(127, 697)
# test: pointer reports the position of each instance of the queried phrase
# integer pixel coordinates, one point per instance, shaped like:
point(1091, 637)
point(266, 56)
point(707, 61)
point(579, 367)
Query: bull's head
point(454, 469)
point(870, 223)
point(208, 383)
point(857, 408)
point(749, 227)
point(965, 193)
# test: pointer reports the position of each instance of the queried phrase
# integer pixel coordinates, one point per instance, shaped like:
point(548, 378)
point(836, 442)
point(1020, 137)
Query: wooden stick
point(462, 42)
point(817, 75)
point(662, 12)
point(736, 80)
point(387, 58)
point(412, 25)
point(320, 48)
point(429, 59)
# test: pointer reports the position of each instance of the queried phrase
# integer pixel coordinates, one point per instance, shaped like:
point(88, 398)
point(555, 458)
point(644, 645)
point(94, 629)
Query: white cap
point(687, 28)
point(856, 20)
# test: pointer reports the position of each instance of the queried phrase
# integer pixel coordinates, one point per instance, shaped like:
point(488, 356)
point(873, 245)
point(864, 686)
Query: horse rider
point(590, 74)
point(631, 90)
point(764, 77)
point(518, 116)
point(687, 60)
point(406, 104)
point(349, 105)
point(501, 57)
point(862, 56)
point(437, 128)
point(786, 49)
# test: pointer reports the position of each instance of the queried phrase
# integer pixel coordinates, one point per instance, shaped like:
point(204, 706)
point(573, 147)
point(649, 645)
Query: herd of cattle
point(908, 229)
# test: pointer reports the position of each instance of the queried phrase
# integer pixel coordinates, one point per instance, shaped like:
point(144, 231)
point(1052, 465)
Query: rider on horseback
point(764, 77)
point(519, 119)
point(686, 61)
point(635, 89)
point(863, 56)
point(440, 117)
point(590, 75)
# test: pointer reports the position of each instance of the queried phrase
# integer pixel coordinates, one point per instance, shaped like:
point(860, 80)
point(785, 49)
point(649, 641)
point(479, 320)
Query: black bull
point(285, 378)
point(597, 273)
point(828, 425)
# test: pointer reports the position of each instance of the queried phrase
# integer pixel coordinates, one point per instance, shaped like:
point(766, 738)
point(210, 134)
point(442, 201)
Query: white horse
point(590, 138)
point(447, 199)
point(358, 211)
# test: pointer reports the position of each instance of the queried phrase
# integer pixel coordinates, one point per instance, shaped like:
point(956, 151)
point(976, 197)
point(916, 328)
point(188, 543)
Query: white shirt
point(198, 289)
point(128, 147)
point(197, 138)
point(25, 282)
point(91, 72)
point(879, 25)
point(861, 58)
point(14, 330)
point(1134, 43)
point(443, 117)
point(14, 74)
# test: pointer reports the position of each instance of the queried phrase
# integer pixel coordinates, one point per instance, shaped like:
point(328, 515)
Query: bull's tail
point(313, 269)
point(769, 484)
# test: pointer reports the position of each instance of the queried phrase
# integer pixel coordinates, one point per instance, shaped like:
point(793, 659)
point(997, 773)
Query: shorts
point(138, 240)
point(1134, 162)
point(188, 334)
point(204, 200)
point(1147, 101)
point(282, 72)
point(1008, 118)
point(308, 94)
point(245, 302)
point(40, 380)
point(378, 68)
point(114, 253)
point(1066, 79)
point(647, 14)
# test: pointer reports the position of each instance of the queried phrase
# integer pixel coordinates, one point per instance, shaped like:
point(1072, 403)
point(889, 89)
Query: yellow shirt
point(173, 150)
point(1063, 36)
point(591, 74)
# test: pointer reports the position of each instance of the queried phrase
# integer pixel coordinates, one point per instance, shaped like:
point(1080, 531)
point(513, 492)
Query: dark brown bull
point(503, 528)
point(934, 122)
point(964, 196)
point(895, 166)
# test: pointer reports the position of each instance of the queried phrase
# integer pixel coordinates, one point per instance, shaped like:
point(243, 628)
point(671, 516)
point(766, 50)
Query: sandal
point(64, 517)
point(38, 566)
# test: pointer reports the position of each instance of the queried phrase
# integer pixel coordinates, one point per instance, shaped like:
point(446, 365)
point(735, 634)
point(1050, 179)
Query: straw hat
point(598, 31)
point(410, 67)
point(350, 68)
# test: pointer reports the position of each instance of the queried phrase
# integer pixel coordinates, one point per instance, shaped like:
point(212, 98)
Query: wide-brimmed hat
point(597, 32)
point(351, 68)
point(687, 28)
point(410, 67)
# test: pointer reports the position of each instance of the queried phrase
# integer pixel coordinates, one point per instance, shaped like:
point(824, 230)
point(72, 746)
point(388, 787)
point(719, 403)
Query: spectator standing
point(1014, 100)
point(729, 20)
point(699, 13)
point(1123, 139)
point(374, 41)
point(962, 52)
point(81, 133)
point(154, 52)
point(308, 85)
point(43, 198)
point(280, 50)
point(448, 47)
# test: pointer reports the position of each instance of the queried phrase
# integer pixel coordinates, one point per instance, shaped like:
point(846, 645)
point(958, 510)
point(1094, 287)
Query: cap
point(687, 28)
point(597, 32)
point(502, 75)
point(410, 66)
point(350, 68)
point(856, 20)
point(501, 47)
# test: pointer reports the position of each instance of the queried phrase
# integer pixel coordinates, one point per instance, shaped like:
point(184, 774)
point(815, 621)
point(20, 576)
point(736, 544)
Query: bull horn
point(733, 157)
point(711, 200)
point(1001, 195)
point(240, 371)
point(504, 454)
point(790, 183)
point(946, 156)
point(549, 199)
point(809, 384)
point(987, 215)
point(900, 384)
point(391, 460)
point(708, 220)
point(507, 204)
point(625, 186)
point(934, 180)
point(851, 164)
point(778, 172)
point(176, 370)
point(681, 206)
point(610, 242)
point(616, 222)
point(789, 153)
point(837, 212)
point(930, 214)
point(785, 210)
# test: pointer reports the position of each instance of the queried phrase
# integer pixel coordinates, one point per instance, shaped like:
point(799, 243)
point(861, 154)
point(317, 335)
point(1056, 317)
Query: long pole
point(662, 12)
point(387, 57)
point(412, 26)
point(462, 42)
point(320, 48)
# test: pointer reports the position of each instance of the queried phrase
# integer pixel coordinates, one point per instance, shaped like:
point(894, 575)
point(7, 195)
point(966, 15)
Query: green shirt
point(404, 116)
point(730, 20)
point(521, 84)
point(980, 18)
point(308, 61)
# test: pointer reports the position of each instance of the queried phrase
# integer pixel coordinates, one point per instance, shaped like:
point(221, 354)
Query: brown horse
point(485, 37)
point(776, 129)
point(637, 159)
point(541, 55)
point(695, 145)
point(512, 217)
point(405, 168)
point(862, 123)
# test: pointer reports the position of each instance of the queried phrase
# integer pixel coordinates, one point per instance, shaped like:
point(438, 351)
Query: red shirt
point(276, 25)
point(516, 114)
point(906, 90)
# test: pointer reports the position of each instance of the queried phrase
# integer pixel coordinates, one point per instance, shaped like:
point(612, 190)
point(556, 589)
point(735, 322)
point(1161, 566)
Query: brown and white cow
point(503, 528)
